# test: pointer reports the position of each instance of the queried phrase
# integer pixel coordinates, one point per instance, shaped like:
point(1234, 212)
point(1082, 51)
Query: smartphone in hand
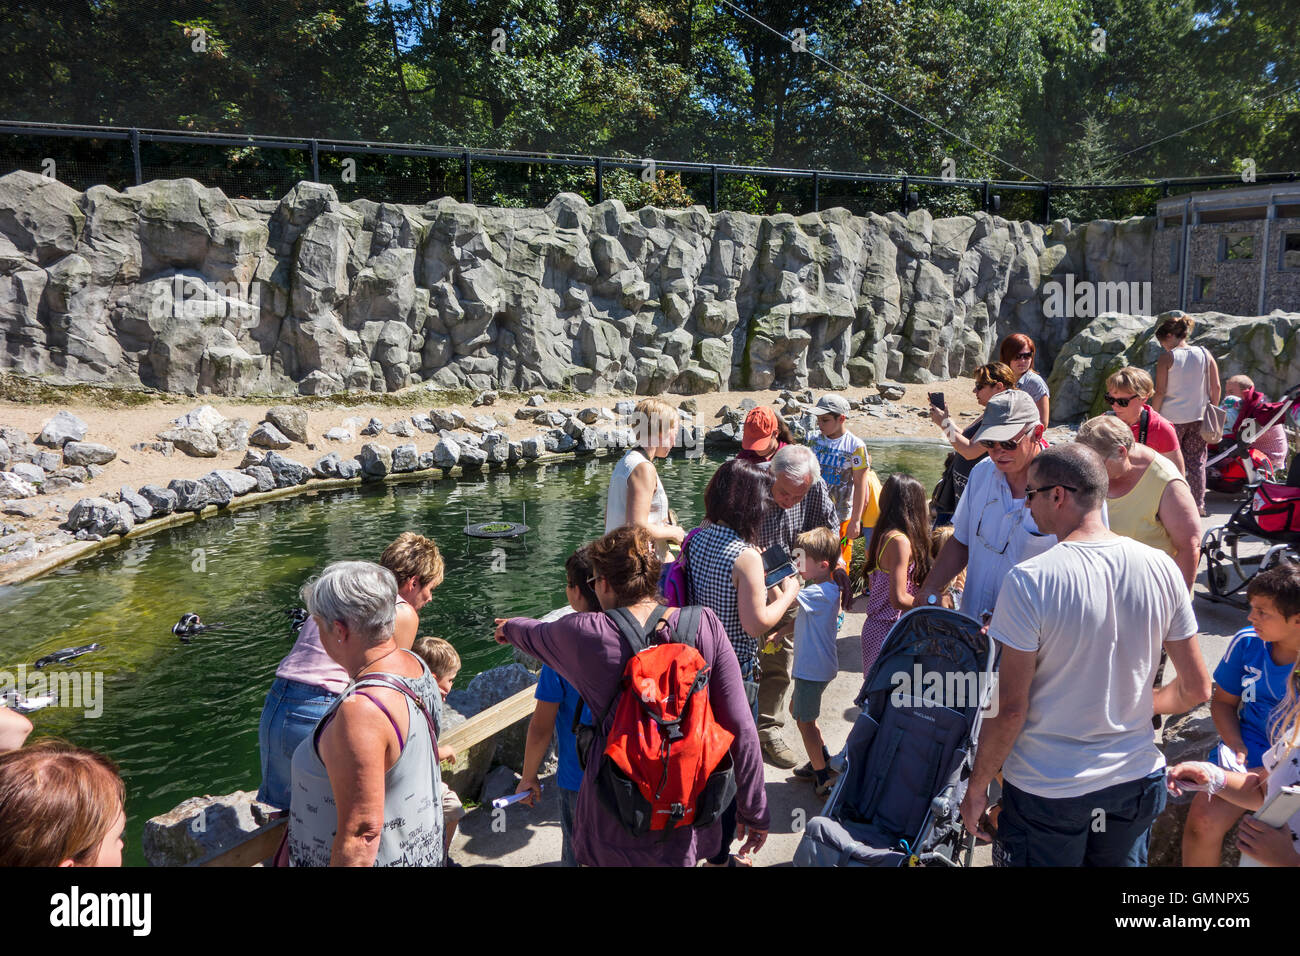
point(938, 401)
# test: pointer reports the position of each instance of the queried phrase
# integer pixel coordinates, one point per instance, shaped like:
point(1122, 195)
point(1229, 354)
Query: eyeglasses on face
point(1121, 402)
point(1010, 445)
point(1030, 492)
point(1024, 355)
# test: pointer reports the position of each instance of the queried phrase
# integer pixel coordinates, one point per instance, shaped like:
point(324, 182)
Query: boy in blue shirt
point(1249, 683)
point(556, 701)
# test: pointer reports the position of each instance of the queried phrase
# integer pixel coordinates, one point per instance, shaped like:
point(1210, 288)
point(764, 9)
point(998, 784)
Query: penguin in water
point(297, 618)
point(65, 654)
point(189, 625)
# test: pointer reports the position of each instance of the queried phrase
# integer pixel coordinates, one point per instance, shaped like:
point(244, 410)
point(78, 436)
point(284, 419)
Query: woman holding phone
point(989, 380)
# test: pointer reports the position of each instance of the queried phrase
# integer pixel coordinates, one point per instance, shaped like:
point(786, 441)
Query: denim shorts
point(1107, 827)
point(290, 714)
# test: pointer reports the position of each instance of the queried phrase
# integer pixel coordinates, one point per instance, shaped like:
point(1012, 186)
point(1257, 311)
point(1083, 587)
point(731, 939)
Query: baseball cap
point(760, 425)
point(1006, 415)
point(832, 405)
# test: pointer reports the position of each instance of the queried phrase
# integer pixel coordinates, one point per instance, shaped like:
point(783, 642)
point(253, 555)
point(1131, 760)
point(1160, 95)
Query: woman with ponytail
point(587, 650)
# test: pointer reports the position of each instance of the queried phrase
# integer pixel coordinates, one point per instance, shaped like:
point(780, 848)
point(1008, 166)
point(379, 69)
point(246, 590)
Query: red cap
point(760, 426)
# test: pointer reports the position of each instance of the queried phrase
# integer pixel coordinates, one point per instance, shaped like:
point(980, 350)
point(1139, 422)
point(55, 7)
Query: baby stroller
point(1261, 534)
point(1233, 465)
point(910, 751)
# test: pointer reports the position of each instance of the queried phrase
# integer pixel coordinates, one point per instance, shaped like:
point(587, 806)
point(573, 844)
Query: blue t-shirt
point(1247, 671)
point(815, 656)
point(554, 689)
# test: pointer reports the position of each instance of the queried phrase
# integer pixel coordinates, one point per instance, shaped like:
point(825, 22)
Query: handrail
point(262, 843)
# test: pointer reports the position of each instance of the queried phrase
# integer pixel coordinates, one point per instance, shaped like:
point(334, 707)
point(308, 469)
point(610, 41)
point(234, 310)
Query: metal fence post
point(1047, 204)
point(817, 197)
point(902, 198)
point(986, 195)
point(315, 161)
point(713, 189)
point(135, 155)
point(469, 179)
point(600, 180)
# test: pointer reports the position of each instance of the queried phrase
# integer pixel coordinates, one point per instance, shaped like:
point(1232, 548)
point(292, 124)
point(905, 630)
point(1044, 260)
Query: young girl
point(898, 559)
point(1269, 846)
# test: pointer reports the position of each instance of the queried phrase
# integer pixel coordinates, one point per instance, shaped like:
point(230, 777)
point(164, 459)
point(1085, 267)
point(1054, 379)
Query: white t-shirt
point(1096, 613)
point(815, 657)
point(840, 459)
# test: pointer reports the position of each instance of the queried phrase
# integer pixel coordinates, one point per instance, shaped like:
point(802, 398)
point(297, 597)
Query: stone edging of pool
point(82, 549)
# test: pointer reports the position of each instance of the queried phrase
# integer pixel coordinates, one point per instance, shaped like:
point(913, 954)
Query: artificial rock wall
point(178, 287)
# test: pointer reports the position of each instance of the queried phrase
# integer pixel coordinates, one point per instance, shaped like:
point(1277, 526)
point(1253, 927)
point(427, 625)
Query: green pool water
point(181, 719)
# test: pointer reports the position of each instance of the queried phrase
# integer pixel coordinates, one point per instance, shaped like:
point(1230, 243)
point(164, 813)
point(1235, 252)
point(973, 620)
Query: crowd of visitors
point(1078, 559)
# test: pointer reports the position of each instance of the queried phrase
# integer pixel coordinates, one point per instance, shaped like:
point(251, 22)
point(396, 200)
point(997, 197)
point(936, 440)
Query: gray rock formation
point(171, 285)
point(191, 495)
point(197, 442)
point(264, 477)
point(203, 826)
point(61, 429)
point(162, 500)
point(405, 458)
point(287, 473)
point(267, 435)
point(101, 517)
point(87, 453)
point(13, 485)
point(376, 460)
point(238, 482)
point(291, 421)
point(139, 505)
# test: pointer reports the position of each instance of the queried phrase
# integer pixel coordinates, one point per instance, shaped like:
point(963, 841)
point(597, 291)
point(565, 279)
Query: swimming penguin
point(189, 625)
point(297, 618)
point(25, 705)
point(66, 654)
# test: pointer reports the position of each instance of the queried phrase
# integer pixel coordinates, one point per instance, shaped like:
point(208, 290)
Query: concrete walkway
point(531, 837)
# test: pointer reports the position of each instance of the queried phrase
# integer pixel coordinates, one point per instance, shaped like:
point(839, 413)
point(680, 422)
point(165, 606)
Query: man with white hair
point(800, 502)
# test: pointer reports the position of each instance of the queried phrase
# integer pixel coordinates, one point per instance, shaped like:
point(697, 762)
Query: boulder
point(28, 471)
point(203, 826)
point(87, 453)
point(376, 460)
point(267, 435)
point(15, 486)
point(405, 458)
point(263, 475)
point(61, 429)
point(287, 473)
point(232, 434)
point(531, 448)
point(446, 454)
point(238, 482)
point(589, 416)
point(219, 493)
point(427, 461)
point(497, 447)
point(250, 459)
point(423, 423)
point(162, 501)
point(472, 457)
point(332, 466)
point(99, 516)
point(891, 391)
point(23, 509)
point(401, 428)
point(56, 485)
point(139, 505)
point(291, 422)
point(338, 434)
point(205, 417)
point(191, 495)
point(536, 401)
point(195, 442)
point(481, 424)
point(485, 398)
point(164, 448)
point(373, 427)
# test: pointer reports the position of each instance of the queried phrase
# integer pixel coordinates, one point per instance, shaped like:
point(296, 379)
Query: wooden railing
point(261, 844)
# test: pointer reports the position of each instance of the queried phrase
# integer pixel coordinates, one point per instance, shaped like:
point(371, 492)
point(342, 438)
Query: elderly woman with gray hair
point(366, 789)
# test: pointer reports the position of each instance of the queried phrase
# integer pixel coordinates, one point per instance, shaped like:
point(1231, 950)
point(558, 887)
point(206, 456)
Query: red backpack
point(667, 761)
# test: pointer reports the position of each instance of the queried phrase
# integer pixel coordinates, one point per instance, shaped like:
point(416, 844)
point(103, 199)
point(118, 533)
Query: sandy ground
point(531, 837)
point(120, 429)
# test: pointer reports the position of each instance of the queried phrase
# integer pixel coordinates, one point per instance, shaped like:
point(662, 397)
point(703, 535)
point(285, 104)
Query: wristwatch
point(932, 600)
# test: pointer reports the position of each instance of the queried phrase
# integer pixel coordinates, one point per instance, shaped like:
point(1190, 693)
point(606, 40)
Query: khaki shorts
point(452, 808)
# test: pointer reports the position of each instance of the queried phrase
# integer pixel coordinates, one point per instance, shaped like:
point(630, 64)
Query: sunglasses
point(1024, 355)
point(1121, 402)
point(1011, 445)
point(1030, 492)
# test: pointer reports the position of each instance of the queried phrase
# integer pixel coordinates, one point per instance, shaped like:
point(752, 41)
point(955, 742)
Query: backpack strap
point(1144, 420)
point(636, 635)
point(383, 680)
